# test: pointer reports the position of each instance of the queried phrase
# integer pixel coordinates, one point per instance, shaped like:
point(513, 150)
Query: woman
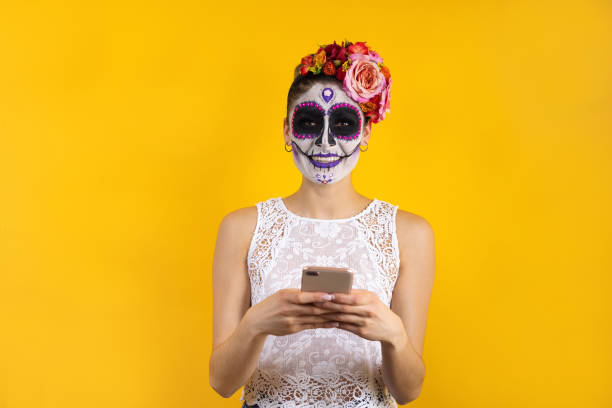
point(302, 349)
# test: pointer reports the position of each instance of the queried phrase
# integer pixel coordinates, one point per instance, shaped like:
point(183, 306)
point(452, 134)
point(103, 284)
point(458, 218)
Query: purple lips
point(327, 164)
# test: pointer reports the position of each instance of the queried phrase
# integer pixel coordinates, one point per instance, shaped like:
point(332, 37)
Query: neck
point(326, 201)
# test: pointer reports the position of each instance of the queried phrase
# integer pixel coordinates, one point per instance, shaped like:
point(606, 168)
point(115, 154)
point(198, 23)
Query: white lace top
point(323, 367)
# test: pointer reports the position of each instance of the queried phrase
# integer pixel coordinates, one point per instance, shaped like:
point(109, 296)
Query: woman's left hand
point(363, 313)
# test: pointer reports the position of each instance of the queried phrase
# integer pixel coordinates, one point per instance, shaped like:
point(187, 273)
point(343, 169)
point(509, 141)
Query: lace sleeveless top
point(322, 367)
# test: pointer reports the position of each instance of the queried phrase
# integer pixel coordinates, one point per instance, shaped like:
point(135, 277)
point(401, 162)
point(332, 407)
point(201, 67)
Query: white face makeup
point(326, 129)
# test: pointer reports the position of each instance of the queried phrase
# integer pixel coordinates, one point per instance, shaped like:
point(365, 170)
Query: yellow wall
point(129, 129)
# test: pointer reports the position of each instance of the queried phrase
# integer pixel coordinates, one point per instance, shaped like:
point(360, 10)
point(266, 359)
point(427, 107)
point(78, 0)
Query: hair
point(302, 83)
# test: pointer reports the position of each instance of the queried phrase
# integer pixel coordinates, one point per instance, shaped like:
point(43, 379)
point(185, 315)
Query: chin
point(328, 172)
point(324, 177)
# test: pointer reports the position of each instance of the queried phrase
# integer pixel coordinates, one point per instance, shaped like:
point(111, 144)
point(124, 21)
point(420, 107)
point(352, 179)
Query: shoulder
point(408, 223)
point(414, 232)
point(411, 223)
point(238, 225)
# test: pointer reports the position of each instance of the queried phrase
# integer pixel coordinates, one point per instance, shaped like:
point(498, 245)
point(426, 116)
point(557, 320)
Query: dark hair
point(302, 83)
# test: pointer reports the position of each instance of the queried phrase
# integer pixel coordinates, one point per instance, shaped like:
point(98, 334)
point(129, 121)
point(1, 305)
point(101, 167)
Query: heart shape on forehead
point(327, 94)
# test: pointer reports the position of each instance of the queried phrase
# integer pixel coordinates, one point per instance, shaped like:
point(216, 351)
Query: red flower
point(307, 62)
point(359, 47)
point(340, 74)
point(373, 116)
point(335, 51)
point(375, 99)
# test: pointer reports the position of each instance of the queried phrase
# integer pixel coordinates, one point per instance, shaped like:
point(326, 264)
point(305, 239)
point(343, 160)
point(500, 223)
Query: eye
point(344, 122)
point(308, 123)
point(308, 120)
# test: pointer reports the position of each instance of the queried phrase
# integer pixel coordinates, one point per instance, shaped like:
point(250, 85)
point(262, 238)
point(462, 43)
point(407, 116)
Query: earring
point(365, 149)
point(288, 145)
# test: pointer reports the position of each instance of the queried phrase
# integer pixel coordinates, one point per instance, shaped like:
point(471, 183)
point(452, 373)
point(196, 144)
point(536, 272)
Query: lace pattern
point(272, 226)
point(378, 229)
point(324, 367)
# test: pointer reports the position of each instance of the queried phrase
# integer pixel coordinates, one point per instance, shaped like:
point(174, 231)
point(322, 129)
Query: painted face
point(326, 130)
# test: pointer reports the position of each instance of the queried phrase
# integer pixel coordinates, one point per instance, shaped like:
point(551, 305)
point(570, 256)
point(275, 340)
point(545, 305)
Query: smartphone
point(327, 279)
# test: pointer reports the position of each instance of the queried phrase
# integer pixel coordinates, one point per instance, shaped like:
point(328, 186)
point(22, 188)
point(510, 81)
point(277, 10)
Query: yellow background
point(129, 129)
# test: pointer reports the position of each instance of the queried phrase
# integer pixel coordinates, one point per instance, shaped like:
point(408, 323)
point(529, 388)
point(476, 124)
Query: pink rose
point(385, 102)
point(375, 56)
point(363, 79)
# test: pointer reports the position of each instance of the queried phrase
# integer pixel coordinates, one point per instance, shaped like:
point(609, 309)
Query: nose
point(325, 139)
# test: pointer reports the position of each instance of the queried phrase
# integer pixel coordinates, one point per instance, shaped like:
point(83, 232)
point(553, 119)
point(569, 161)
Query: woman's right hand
point(289, 311)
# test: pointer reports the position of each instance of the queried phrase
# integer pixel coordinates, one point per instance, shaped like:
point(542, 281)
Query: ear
point(286, 134)
point(367, 131)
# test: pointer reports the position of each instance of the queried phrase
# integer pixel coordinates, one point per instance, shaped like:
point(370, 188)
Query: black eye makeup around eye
point(345, 123)
point(307, 122)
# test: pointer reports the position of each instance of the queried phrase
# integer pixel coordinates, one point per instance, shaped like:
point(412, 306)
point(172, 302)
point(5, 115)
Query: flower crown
point(365, 78)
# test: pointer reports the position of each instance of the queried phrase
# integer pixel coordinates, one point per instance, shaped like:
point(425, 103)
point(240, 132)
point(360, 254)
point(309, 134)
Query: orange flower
point(319, 58)
point(385, 71)
point(368, 106)
point(329, 68)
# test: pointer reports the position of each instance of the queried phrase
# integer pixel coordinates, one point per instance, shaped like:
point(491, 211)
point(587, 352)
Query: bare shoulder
point(238, 225)
point(414, 232)
point(409, 223)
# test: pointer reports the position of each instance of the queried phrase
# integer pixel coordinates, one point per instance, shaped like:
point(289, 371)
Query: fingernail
point(335, 324)
point(327, 296)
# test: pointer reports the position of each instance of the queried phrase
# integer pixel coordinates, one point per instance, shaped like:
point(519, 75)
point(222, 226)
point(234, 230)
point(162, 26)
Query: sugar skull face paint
point(326, 131)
